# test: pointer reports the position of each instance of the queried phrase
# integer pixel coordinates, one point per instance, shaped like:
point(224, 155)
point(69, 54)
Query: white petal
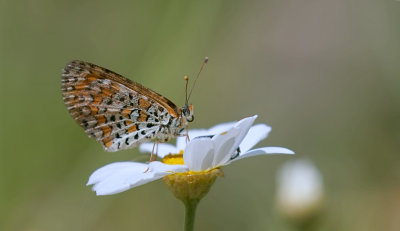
point(264, 151)
point(199, 154)
point(220, 128)
point(160, 168)
point(161, 149)
point(256, 134)
point(113, 178)
point(118, 177)
point(181, 140)
point(244, 126)
point(181, 143)
point(225, 146)
point(198, 132)
point(109, 169)
point(146, 147)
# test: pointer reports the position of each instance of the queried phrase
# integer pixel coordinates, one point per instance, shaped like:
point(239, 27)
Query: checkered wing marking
point(114, 110)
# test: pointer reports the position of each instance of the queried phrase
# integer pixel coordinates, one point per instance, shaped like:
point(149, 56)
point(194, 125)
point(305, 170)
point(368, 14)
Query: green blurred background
point(324, 74)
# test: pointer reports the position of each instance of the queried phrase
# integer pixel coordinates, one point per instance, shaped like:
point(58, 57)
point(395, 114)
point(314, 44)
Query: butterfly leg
point(152, 151)
point(152, 154)
point(187, 133)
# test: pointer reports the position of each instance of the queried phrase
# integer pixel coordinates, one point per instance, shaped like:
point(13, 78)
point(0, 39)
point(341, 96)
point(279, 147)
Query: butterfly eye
point(188, 113)
point(190, 118)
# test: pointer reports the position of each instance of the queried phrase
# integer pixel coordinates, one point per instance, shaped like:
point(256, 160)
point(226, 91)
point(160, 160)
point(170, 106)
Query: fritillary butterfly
point(116, 111)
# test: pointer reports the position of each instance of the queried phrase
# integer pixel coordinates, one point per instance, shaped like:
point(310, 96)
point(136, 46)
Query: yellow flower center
point(190, 185)
point(177, 159)
point(173, 159)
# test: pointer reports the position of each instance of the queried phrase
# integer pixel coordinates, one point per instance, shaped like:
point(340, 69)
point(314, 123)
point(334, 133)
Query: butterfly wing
point(116, 111)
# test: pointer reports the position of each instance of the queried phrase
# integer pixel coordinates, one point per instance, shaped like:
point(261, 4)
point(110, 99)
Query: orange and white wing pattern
point(117, 111)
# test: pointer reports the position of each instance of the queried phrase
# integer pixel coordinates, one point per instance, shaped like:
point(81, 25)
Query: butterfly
point(118, 112)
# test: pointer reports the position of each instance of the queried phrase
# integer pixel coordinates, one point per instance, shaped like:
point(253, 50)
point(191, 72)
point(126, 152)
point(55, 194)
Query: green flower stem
point(310, 223)
point(190, 213)
point(189, 188)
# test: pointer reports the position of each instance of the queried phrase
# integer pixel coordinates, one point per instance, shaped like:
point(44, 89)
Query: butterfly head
point(187, 112)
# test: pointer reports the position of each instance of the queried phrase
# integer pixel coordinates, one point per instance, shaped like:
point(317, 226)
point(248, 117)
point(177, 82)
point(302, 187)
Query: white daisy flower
point(216, 147)
point(219, 145)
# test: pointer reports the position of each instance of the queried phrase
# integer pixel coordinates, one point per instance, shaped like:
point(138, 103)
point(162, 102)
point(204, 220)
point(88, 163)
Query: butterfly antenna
point(198, 74)
point(186, 78)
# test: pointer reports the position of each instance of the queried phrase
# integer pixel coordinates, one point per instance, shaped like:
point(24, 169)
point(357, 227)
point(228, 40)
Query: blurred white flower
point(300, 190)
point(216, 147)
